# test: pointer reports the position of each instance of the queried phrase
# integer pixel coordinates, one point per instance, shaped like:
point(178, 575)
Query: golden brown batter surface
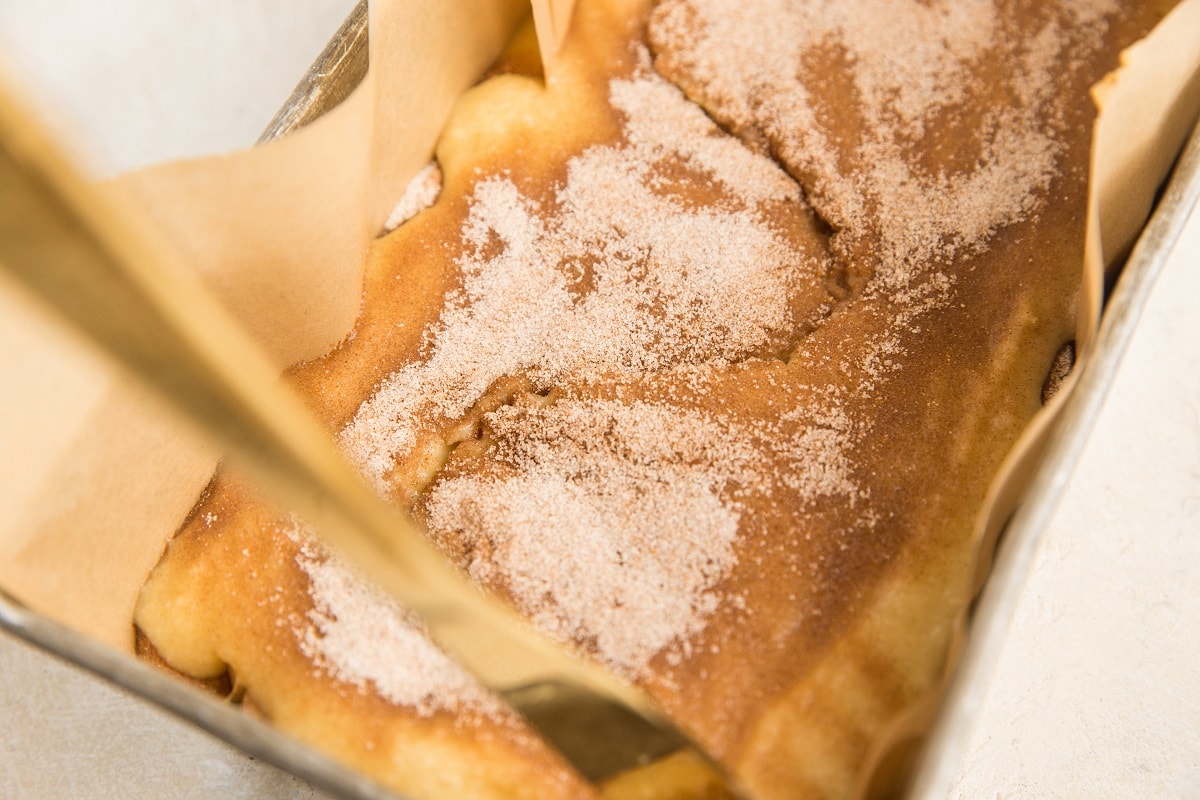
point(717, 409)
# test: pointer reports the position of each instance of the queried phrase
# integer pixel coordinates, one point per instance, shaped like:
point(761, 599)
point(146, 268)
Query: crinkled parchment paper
point(94, 477)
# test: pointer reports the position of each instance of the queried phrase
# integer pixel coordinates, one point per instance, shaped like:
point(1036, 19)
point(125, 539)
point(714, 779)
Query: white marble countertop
point(1096, 692)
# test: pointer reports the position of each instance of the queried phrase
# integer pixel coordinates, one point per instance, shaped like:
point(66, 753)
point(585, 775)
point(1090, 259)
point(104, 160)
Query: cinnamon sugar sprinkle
point(625, 540)
point(358, 634)
point(610, 522)
point(910, 64)
point(615, 279)
point(613, 521)
point(421, 193)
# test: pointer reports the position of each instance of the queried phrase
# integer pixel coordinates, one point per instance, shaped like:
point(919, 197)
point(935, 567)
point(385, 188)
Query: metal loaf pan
point(339, 68)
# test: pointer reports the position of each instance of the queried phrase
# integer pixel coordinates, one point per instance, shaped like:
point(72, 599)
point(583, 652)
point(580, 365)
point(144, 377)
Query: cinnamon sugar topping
point(421, 193)
point(611, 522)
point(359, 635)
point(661, 262)
point(613, 279)
point(611, 528)
point(907, 68)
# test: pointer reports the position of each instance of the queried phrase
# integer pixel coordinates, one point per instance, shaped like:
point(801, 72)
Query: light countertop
point(1096, 690)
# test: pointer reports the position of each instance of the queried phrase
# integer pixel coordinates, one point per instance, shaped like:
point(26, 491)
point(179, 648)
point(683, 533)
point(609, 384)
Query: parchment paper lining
point(101, 477)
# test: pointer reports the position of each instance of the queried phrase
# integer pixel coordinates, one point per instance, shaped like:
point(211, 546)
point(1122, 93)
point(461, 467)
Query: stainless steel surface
point(332, 77)
point(225, 721)
point(103, 743)
point(996, 607)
